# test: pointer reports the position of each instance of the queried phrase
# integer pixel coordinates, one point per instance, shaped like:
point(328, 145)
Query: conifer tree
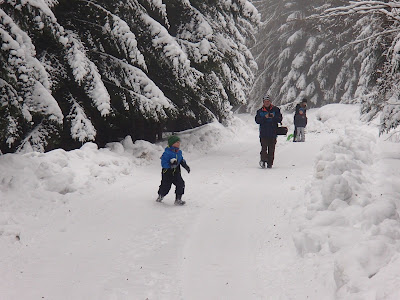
point(97, 70)
point(303, 56)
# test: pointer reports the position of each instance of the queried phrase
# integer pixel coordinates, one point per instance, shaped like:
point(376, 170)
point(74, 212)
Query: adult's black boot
point(178, 200)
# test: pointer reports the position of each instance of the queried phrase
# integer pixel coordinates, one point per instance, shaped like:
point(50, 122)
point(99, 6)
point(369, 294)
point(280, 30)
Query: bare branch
point(396, 132)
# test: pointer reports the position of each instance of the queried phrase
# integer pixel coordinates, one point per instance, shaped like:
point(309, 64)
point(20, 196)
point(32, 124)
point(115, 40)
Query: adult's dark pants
point(169, 177)
point(268, 150)
point(294, 133)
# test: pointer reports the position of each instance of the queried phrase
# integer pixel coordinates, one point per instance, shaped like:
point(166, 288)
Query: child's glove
point(174, 162)
point(184, 165)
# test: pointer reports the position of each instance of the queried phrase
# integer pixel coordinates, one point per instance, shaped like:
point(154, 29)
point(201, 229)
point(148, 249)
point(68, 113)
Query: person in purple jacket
point(171, 160)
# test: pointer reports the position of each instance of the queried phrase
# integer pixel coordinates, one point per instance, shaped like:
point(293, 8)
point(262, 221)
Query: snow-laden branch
point(389, 9)
point(162, 9)
point(87, 74)
point(23, 64)
point(146, 95)
point(122, 32)
point(373, 36)
point(82, 128)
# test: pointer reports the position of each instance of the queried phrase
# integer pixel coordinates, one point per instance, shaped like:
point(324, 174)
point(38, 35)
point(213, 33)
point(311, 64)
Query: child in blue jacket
point(171, 160)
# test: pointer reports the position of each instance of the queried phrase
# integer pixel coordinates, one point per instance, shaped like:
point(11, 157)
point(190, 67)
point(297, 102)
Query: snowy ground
point(323, 223)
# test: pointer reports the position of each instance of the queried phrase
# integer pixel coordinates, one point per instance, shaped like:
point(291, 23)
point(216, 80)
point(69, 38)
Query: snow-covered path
point(244, 225)
point(233, 240)
point(119, 242)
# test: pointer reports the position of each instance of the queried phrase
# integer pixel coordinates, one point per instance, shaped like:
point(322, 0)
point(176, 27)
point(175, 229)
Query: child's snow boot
point(159, 198)
point(178, 200)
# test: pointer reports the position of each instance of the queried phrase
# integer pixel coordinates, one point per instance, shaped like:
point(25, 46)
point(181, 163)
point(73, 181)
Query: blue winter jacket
point(268, 125)
point(169, 153)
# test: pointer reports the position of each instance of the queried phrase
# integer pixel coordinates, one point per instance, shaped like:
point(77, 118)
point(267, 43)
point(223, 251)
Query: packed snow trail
point(244, 225)
point(233, 239)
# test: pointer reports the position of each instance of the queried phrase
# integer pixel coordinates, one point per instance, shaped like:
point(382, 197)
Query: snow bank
point(56, 171)
point(332, 118)
point(351, 221)
point(32, 184)
point(66, 172)
point(203, 139)
point(199, 140)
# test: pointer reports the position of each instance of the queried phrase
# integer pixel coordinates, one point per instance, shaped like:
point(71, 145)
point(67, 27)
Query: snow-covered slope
point(323, 223)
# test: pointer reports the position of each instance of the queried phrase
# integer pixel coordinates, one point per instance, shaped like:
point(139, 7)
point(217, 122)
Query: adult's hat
point(173, 139)
point(267, 97)
point(304, 100)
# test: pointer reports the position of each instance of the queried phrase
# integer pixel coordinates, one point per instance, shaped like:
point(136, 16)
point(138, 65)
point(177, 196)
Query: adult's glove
point(174, 162)
point(185, 166)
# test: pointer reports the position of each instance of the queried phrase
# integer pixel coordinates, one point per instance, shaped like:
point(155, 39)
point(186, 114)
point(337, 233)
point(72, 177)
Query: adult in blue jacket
point(171, 160)
point(268, 118)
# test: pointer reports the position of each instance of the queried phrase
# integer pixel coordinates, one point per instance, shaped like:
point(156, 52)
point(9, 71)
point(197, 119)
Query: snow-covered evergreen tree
point(385, 95)
point(96, 70)
point(30, 116)
point(307, 57)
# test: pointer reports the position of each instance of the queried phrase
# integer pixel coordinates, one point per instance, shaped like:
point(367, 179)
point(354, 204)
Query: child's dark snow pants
point(169, 177)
